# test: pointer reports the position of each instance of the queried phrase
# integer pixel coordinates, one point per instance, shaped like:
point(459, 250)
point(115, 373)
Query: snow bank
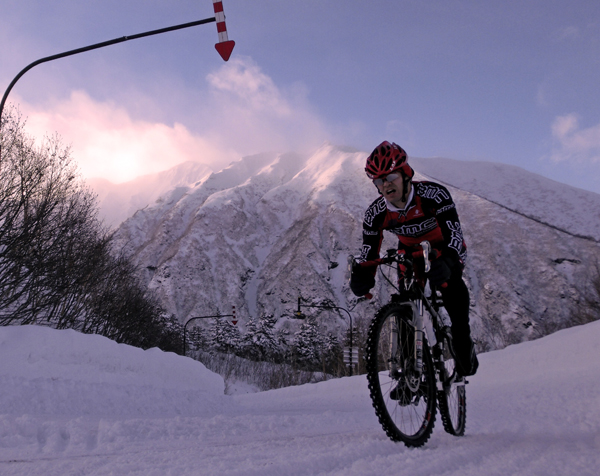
point(44, 371)
point(80, 404)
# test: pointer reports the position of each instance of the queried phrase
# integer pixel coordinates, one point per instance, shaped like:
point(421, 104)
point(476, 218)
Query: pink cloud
point(107, 143)
point(243, 112)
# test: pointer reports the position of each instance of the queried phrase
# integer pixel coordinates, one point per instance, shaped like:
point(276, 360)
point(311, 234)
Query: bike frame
point(420, 378)
point(428, 323)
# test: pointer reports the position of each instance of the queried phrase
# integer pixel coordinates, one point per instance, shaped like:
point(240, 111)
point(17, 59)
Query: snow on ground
point(79, 404)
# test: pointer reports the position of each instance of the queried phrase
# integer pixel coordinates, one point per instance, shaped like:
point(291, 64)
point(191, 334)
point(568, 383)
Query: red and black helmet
point(388, 158)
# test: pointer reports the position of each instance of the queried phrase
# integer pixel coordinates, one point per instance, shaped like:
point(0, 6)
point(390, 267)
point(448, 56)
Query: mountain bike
point(410, 358)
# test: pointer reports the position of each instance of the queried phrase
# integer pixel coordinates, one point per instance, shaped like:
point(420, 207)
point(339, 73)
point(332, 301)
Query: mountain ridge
point(273, 227)
point(474, 177)
point(119, 201)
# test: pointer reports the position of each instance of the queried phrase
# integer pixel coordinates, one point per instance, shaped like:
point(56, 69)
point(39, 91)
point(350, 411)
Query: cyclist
point(418, 211)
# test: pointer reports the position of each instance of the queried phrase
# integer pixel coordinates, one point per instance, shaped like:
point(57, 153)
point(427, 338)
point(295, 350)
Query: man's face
point(392, 188)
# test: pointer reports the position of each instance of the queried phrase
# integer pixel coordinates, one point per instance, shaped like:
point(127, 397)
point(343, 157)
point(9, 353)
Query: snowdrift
point(81, 404)
point(45, 371)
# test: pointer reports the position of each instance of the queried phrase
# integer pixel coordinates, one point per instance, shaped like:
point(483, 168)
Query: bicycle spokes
point(406, 382)
point(403, 397)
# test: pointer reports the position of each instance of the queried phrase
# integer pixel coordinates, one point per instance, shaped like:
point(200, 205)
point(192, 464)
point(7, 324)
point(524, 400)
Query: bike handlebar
point(402, 257)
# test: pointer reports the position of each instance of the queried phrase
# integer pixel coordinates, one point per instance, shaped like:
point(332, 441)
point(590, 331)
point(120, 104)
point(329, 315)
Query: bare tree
point(57, 266)
point(47, 225)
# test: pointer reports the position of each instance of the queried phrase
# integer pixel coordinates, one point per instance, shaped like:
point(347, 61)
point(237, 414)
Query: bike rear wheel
point(452, 398)
point(404, 399)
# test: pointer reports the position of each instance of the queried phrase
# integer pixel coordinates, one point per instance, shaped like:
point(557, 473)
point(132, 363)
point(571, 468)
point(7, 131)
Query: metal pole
point(319, 306)
point(199, 317)
point(94, 47)
point(351, 349)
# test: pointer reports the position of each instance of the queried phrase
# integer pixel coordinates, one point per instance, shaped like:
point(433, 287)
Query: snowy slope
point(117, 202)
point(79, 404)
point(271, 227)
point(571, 209)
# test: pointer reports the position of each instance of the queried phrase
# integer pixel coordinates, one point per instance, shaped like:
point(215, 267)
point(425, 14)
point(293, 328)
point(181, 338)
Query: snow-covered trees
point(223, 336)
point(262, 341)
point(310, 348)
point(307, 343)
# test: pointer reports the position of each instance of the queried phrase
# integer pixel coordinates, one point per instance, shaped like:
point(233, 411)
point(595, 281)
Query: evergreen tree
point(332, 355)
point(307, 343)
point(261, 340)
point(223, 336)
point(331, 345)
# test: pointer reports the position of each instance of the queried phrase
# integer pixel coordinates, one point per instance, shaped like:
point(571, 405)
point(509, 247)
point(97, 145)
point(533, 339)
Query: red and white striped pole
point(225, 45)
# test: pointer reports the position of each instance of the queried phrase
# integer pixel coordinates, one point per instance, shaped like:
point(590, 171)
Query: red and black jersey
point(429, 215)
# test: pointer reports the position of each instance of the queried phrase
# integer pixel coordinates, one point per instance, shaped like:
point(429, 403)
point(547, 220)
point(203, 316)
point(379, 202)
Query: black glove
point(361, 280)
point(440, 271)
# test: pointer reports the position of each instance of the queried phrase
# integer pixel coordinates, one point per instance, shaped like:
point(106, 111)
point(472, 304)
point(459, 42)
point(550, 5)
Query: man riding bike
point(416, 212)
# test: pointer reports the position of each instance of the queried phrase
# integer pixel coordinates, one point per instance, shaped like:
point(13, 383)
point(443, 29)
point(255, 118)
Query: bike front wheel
point(404, 396)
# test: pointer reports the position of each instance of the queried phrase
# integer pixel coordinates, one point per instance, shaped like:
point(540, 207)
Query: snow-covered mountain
point(117, 202)
point(570, 209)
point(82, 404)
point(272, 227)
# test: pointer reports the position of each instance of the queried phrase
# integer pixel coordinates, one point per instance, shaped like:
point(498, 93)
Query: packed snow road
point(74, 404)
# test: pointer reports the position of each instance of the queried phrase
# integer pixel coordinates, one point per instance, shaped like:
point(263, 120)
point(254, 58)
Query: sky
point(512, 82)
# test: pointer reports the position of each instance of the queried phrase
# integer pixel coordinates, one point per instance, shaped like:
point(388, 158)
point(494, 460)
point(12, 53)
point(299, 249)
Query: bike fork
point(419, 333)
point(394, 337)
point(394, 333)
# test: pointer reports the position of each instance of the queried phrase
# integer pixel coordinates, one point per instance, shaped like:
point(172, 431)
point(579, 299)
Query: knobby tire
point(405, 411)
point(452, 399)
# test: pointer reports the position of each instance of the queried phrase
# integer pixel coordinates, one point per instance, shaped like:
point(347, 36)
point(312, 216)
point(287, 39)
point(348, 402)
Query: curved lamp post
point(216, 316)
point(94, 47)
point(329, 307)
point(224, 47)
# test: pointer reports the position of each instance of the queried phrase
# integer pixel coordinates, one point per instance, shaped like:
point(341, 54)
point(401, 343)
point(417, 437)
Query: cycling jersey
point(430, 215)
